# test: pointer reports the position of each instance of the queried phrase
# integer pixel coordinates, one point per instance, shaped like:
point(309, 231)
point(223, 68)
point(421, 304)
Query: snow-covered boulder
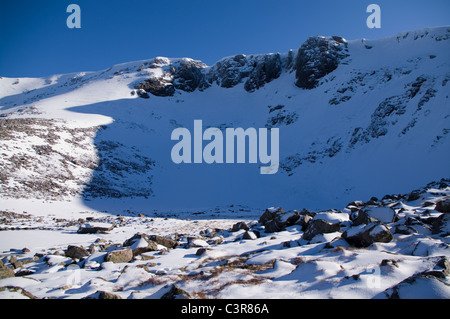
point(275, 219)
point(320, 226)
point(365, 235)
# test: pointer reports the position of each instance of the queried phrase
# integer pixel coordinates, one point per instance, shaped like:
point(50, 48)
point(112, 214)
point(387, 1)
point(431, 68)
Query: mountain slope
point(357, 119)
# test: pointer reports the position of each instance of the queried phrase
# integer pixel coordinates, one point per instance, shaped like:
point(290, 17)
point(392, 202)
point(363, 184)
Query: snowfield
point(90, 254)
point(92, 206)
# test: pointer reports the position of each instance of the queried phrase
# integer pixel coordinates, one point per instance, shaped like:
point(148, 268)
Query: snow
point(89, 116)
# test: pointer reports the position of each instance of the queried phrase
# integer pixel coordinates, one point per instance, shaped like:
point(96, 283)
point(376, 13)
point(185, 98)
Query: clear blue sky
point(35, 41)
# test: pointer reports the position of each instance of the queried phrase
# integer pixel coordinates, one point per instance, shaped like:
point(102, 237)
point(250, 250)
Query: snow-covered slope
point(91, 204)
point(357, 119)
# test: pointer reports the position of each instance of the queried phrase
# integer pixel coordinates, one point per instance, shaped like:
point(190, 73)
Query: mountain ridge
point(352, 115)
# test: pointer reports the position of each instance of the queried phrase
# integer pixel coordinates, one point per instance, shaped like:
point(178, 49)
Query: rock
point(120, 256)
point(88, 229)
point(140, 243)
point(443, 206)
point(275, 219)
point(141, 93)
point(238, 226)
point(107, 295)
point(157, 86)
point(152, 241)
point(362, 218)
point(270, 213)
point(197, 242)
point(188, 75)
point(6, 272)
point(383, 214)
point(303, 221)
point(76, 252)
point(24, 272)
point(266, 69)
point(22, 292)
point(201, 251)
point(319, 226)
point(441, 225)
point(442, 268)
point(258, 70)
point(366, 235)
point(167, 242)
point(249, 235)
point(415, 195)
point(420, 286)
point(216, 240)
point(176, 293)
point(317, 57)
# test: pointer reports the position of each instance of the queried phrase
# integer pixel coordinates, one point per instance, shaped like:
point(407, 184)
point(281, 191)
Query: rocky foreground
point(394, 247)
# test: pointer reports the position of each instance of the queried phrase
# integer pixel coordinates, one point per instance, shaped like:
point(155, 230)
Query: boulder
point(140, 243)
point(275, 219)
point(107, 295)
point(249, 235)
point(6, 272)
point(89, 229)
point(319, 226)
point(385, 215)
point(120, 256)
point(443, 206)
point(240, 225)
point(76, 252)
point(270, 213)
point(441, 225)
point(365, 235)
point(167, 242)
point(361, 217)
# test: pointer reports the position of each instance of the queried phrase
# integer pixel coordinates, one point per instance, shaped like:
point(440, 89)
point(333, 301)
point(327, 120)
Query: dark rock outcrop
point(317, 57)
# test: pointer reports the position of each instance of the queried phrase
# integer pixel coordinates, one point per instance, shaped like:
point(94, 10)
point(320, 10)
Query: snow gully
point(213, 152)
